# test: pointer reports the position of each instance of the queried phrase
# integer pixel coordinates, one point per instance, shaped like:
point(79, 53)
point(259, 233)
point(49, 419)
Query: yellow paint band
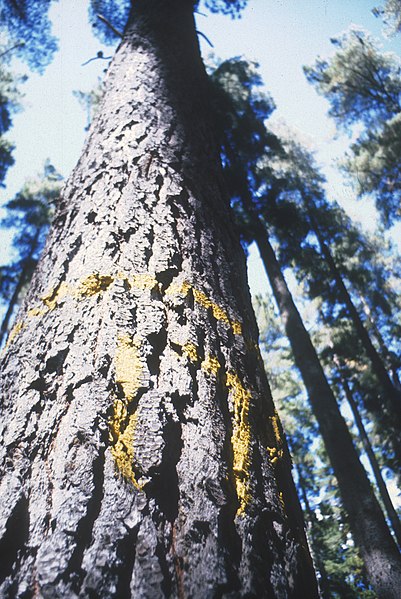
point(96, 283)
point(240, 440)
point(128, 371)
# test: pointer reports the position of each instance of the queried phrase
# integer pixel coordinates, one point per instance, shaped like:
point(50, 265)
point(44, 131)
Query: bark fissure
point(143, 281)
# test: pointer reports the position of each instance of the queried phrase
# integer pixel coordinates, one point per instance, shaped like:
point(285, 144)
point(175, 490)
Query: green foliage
point(226, 7)
point(90, 101)
point(361, 83)
point(27, 25)
point(390, 12)
point(115, 12)
point(29, 214)
point(9, 104)
point(363, 86)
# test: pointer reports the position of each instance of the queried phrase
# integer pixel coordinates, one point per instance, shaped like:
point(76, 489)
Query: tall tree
point(390, 12)
point(140, 436)
point(364, 512)
point(339, 566)
point(10, 97)
point(363, 86)
point(29, 214)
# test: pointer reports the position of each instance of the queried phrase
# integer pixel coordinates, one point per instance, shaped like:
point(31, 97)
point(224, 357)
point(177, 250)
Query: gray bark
point(142, 456)
point(368, 526)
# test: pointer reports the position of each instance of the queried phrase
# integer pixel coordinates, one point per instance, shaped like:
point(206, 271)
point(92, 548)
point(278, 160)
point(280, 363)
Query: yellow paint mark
point(35, 312)
point(128, 366)
point(203, 300)
point(276, 427)
point(240, 440)
point(182, 288)
point(211, 365)
point(55, 296)
point(236, 327)
point(143, 281)
point(275, 454)
point(93, 284)
point(128, 369)
point(14, 332)
point(191, 351)
point(122, 439)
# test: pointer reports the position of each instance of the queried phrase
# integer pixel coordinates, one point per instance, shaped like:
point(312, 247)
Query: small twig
point(98, 55)
point(12, 48)
point(114, 30)
point(206, 38)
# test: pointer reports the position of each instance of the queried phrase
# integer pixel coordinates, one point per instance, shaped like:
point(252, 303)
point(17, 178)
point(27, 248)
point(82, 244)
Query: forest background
point(282, 36)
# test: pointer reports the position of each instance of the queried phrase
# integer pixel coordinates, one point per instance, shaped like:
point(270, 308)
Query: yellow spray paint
point(276, 452)
point(93, 284)
point(14, 332)
point(123, 424)
point(191, 351)
point(143, 281)
point(240, 440)
point(96, 283)
point(211, 365)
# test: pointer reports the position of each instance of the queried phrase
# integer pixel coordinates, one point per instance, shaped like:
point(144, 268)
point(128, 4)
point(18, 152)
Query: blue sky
point(281, 35)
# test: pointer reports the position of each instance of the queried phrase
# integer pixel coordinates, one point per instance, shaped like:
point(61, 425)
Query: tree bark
point(368, 526)
point(381, 485)
point(142, 456)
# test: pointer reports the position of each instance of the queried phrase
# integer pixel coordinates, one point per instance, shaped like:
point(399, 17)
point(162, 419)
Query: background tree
point(29, 214)
point(245, 148)
point(363, 86)
point(10, 97)
point(390, 12)
point(337, 560)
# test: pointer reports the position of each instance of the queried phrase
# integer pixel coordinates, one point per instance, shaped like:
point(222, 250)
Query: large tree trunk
point(142, 456)
point(368, 526)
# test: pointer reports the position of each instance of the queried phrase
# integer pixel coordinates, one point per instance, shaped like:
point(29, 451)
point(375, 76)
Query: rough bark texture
point(369, 529)
point(142, 456)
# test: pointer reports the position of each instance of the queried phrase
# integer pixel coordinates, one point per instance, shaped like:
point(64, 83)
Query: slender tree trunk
point(368, 526)
point(324, 581)
point(23, 279)
point(12, 304)
point(392, 361)
point(142, 456)
point(381, 485)
point(392, 396)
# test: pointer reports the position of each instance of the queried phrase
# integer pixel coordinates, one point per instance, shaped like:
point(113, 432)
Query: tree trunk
point(26, 273)
point(142, 456)
point(12, 304)
point(381, 485)
point(323, 580)
point(368, 526)
point(392, 396)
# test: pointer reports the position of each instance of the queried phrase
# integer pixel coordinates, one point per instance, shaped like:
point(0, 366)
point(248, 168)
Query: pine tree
point(29, 214)
point(248, 187)
point(138, 435)
point(363, 86)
